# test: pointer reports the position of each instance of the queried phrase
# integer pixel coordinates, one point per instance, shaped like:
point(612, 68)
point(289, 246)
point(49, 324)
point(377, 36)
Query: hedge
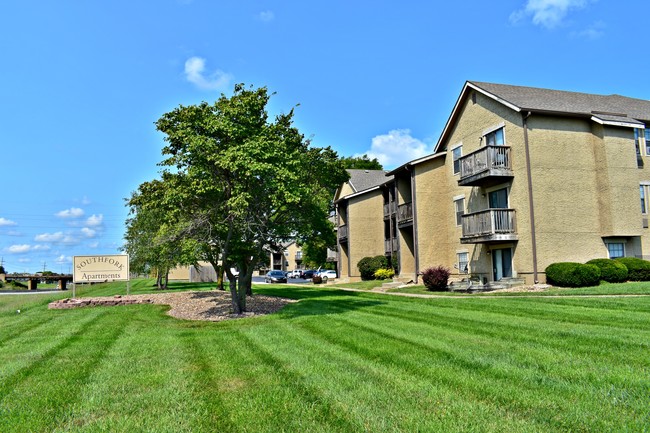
point(611, 270)
point(637, 269)
point(570, 274)
point(369, 265)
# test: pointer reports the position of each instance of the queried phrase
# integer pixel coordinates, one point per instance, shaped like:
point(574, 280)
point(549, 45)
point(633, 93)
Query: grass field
point(334, 362)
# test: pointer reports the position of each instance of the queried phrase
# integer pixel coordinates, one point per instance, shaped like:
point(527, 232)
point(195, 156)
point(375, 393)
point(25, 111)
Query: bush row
point(571, 274)
point(369, 265)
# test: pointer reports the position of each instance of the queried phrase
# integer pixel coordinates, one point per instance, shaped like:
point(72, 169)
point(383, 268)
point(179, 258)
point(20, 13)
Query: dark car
point(309, 274)
point(275, 277)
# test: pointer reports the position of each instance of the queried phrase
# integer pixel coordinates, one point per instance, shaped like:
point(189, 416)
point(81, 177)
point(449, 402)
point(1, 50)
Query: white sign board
point(101, 268)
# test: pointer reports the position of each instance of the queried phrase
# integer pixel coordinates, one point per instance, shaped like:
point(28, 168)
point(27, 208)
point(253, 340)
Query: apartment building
point(520, 178)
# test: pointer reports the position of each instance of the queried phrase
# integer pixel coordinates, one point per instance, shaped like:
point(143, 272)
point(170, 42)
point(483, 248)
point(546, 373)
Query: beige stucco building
point(520, 178)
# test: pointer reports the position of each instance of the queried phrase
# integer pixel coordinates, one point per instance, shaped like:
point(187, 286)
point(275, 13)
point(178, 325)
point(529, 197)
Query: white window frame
point(645, 206)
point(459, 215)
point(453, 160)
point(459, 263)
point(492, 129)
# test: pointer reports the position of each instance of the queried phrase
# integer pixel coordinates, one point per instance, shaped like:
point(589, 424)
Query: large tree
point(243, 183)
point(361, 162)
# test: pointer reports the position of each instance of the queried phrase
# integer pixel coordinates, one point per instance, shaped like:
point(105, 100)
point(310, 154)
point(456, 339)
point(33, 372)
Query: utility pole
point(44, 266)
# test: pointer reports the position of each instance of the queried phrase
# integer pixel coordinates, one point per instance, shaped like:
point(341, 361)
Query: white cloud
point(594, 31)
point(396, 148)
point(89, 233)
point(266, 16)
point(24, 260)
point(63, 259)
point(5, 222)
point(93, 244)
point(547, 13)
point(95, 220)
point(74, 212)
point(70, 240)
point(13, 233)
point(41, 248)
point(195, 73)
point(49, 237)
point(19, 249)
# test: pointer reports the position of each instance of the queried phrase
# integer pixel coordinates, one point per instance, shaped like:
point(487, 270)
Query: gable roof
point(361, 180)
point(605, 109)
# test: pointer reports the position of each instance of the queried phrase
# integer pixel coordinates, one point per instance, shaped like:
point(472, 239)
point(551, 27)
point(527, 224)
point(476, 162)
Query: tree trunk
point(220, 272)
point(158, 279)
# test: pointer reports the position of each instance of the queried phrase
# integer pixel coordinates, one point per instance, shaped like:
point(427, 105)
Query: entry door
point(502, 263)
point(499, 199)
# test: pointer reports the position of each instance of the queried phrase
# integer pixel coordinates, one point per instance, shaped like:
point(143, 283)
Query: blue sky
point(84, 82)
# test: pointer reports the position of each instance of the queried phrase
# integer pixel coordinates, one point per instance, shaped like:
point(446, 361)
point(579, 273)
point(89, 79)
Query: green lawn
point(335, 361)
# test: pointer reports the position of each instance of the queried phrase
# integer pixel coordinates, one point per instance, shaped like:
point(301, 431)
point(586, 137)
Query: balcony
point(490, 225)
point(343, 233)
point(389, 210)
point(405, 214)
point(391, 245)
point(490, 165)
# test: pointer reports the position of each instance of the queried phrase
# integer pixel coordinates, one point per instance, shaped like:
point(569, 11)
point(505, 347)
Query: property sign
point(101, 268)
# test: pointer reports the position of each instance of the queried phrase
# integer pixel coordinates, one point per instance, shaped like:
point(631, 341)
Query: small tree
point(436, 278)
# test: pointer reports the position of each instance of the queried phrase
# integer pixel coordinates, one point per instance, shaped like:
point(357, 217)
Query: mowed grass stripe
point(475, 376)
point(40, 394)
point(595, 338)
point(380, 377)
point(144, 382)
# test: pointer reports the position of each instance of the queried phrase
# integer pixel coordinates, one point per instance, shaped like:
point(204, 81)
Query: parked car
point(327, 274)
point(293, 274)
point(275, 277)
point(308, 274)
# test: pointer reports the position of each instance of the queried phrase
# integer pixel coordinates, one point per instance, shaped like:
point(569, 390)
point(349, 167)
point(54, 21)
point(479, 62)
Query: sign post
point(99, 269)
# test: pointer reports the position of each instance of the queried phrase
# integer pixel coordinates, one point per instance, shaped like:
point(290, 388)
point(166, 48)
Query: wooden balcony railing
point(489, 225)
point(484, 165)
point(343, 232)
point(405, 213)
point(389, 209)
point(391, 245)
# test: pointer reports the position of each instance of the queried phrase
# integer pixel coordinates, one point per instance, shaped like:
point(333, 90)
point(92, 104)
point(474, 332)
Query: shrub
point(435, 278)
point(611, 271)
point(369, 265)
point(384, 274)
point(317, 279)
point(637, 269)
point(570, 274)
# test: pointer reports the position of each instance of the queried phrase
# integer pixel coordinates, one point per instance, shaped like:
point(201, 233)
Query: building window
point(638, 133)
point(643, 190)
point(456, 153)
point(463, 263)
point(495, 138)
point(646, 135)
point(616, 249)
point(459, 204)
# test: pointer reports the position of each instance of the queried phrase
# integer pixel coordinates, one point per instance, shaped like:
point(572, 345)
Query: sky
point(83, 82)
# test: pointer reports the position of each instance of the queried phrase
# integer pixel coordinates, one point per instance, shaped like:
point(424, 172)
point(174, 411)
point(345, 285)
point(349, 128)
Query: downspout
point(531, 202)
point(416, 246)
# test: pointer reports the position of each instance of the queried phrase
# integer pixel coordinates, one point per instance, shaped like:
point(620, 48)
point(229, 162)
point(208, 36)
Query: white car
point(327, 274)
point(293, 274)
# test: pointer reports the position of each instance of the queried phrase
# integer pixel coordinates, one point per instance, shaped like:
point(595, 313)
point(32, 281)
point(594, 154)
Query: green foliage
point(239, 184)
point(361, 162)
point(637, 269)
point(369, 265)
point(611, 271)
point(570, 274)
point(2, 270)
point(384, 274)
point(436, 278)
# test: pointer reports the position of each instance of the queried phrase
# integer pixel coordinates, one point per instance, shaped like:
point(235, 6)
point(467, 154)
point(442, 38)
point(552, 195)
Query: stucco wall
point(366, 230)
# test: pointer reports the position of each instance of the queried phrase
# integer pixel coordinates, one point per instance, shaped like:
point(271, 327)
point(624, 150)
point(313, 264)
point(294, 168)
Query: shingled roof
point(560, 101)
point(605, 109)
point(361, 180)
